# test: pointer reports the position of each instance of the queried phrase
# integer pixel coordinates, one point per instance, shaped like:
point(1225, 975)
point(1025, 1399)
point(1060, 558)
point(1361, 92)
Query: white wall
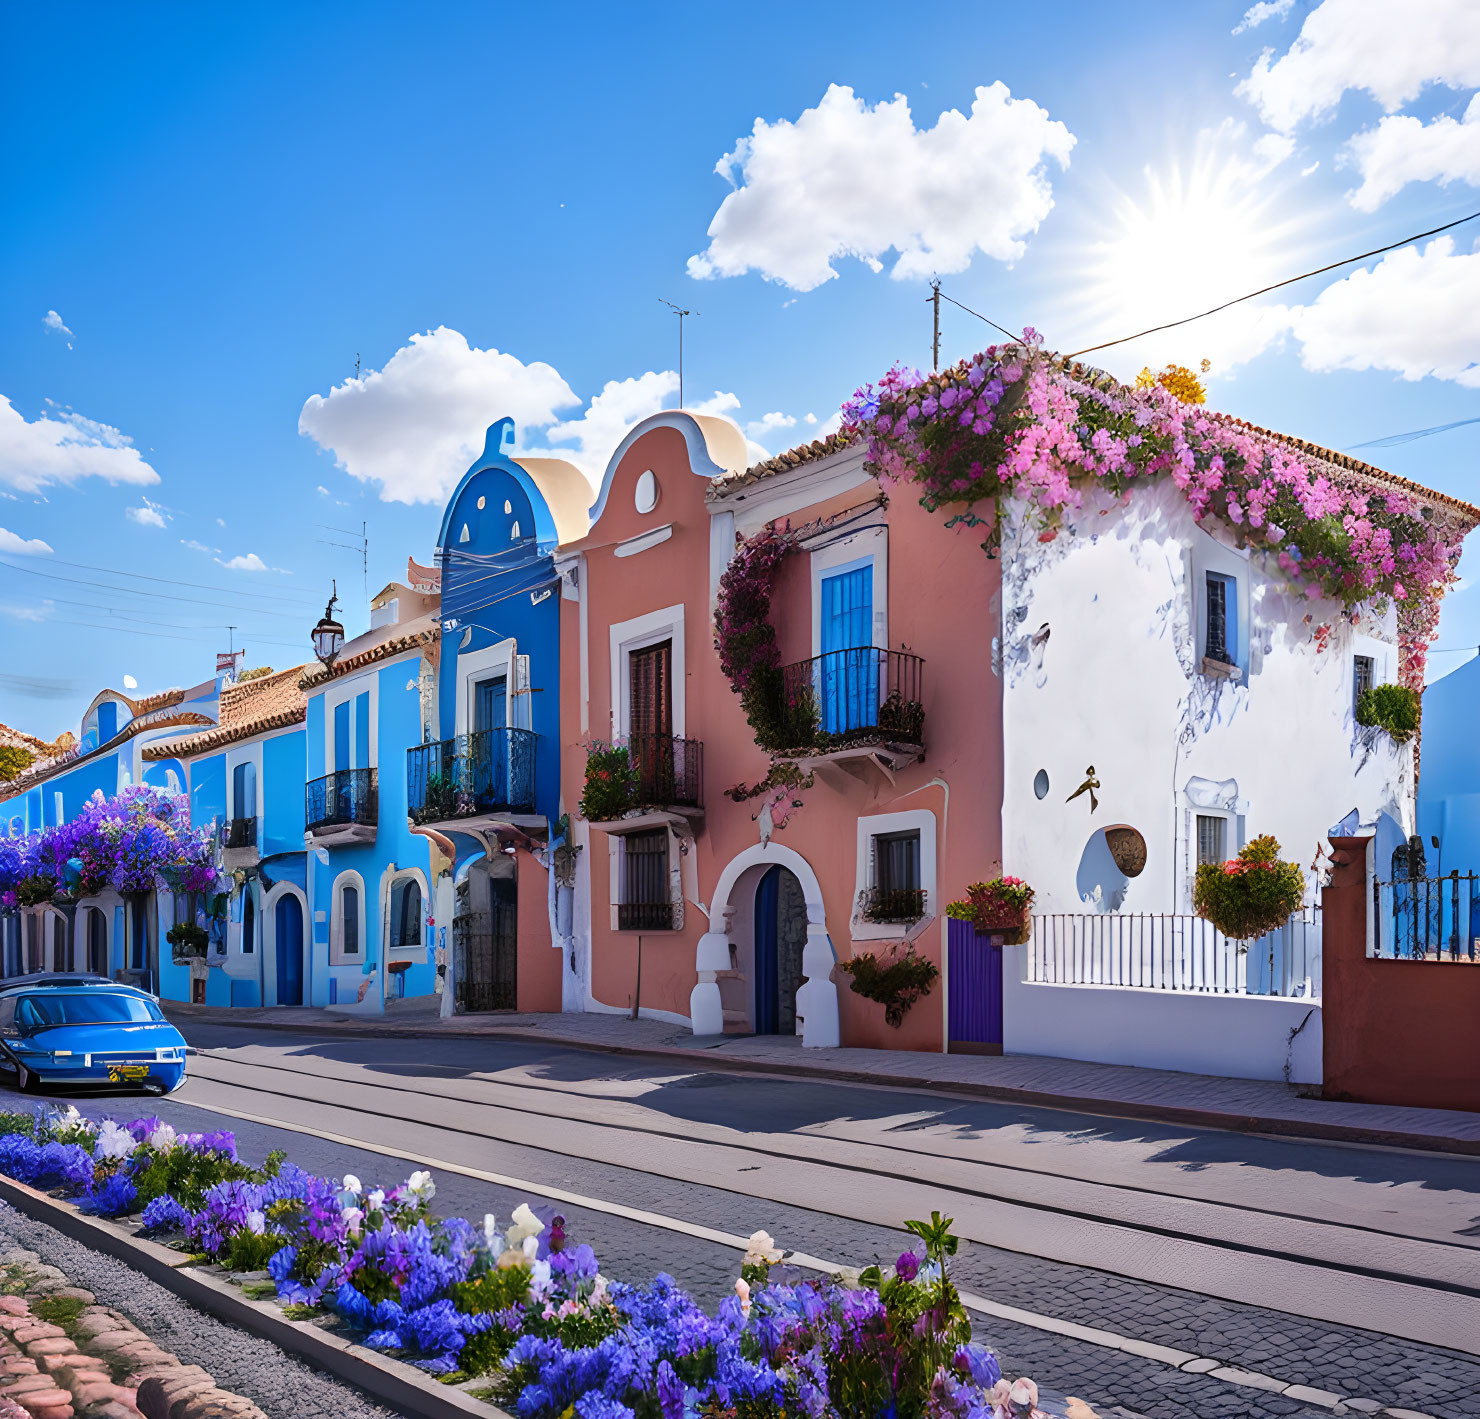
point(1117, 684)
point(1235, 1036)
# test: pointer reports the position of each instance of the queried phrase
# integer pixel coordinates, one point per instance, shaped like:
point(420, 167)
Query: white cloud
point(768, 423)
point(1414, 313)
point(1264, 10)
point(55, 325)
point(847, 179)
point(322, 489)
point(415, 426)
point(148, 514)
point(63, 448)
point(16, 546)
point(1403, 149)
point(129, 683)
point(28, 613)
point(251, 562)
point(197, 546)
point(1370, 45)
point(220, 522)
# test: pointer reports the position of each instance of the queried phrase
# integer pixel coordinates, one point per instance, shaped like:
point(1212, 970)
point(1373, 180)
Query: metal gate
point(485, 952)
point(974, 984)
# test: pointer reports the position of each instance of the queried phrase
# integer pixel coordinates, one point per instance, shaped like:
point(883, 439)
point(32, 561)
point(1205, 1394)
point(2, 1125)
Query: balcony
point(648, 781)
point(852, 710)
point(474, 781)
point(645, 916)
point(238, 838)
point(341, 808)
point(902, 906)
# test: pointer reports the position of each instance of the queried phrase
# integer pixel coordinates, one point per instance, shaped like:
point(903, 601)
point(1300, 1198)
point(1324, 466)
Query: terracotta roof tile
point(781, 463)
point(820, 448)
point(224, 734)
point(249, 707)
point(383, 650)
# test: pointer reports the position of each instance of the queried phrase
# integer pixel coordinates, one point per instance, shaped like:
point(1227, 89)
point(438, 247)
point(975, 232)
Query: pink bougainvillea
point(1016, 420)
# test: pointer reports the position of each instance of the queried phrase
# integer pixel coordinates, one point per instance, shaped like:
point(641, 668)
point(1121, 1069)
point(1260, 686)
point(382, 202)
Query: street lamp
point(328, 635)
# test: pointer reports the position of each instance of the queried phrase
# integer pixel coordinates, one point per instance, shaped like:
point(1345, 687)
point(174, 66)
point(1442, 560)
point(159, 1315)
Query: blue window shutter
point(490, 708)
point(848, 681)
point(362, 730)
point(341, 736)
point(848, 609)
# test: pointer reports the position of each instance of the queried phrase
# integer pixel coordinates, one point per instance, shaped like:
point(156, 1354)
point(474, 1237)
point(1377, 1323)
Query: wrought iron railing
point(670, 771)
point(345, 797)
point(645, 916)
point(892, 904)
point(490, 771)
point(847, 697)
point(1180, 953)
point(239, 832)
point(1427, 918)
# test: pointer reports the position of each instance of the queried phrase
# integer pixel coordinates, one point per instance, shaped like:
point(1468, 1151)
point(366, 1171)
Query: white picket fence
point(1176, 953)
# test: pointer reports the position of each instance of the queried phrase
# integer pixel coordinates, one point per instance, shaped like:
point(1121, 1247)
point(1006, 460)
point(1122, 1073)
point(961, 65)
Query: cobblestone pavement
point(1338, 1359)
point(284, 1387)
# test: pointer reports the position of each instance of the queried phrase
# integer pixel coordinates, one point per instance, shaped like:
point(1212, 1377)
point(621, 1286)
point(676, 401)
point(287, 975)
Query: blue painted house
point(484, 784)
point(246, 776)
point(112, 750)
point(1449, 781)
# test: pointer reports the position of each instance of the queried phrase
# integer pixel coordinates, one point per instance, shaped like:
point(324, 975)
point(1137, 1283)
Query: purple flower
point(907, 1267)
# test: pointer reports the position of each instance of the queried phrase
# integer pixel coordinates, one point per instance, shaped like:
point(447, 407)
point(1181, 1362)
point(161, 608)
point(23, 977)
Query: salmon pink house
point(736, 848)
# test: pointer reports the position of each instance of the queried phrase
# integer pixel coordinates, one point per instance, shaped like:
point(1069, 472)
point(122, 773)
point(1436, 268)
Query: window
point(249, 926)
point(405, 912)
point(349, 920)
point(895, 893)
point(645, 904)
point(1210, 839)
point(1363, 668)
point(650, 721)
point(1222, 624)
point(244, 791)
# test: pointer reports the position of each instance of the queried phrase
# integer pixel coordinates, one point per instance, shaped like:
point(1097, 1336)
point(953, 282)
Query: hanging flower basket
point(1002, 907)
point(1252, 895)
point(896, 982)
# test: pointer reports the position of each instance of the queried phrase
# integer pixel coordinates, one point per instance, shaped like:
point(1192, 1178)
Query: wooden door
point(974, 972)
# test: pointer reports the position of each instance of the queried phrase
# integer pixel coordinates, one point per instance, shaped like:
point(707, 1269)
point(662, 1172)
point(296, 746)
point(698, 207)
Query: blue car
point(87, 1032)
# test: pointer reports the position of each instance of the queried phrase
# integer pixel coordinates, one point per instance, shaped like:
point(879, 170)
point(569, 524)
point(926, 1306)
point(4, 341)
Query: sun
point(1200, 232)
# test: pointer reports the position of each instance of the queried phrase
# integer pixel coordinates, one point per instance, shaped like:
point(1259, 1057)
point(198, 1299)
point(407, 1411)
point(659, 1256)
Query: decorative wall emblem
point(1128, 848)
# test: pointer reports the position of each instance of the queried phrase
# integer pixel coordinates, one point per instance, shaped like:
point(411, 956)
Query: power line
point(1264, 290)
point(138, 591)
point(979, 315)
point(1393, 440)
point(174, 581)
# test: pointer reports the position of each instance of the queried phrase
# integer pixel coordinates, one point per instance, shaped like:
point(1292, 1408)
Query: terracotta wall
point(942, 605)
point(539, 963)
point(1396, 1032)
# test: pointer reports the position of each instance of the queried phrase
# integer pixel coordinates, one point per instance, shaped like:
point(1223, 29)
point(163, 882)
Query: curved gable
point(716, 448)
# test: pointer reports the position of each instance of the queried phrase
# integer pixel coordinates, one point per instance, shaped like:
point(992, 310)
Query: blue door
point(974, 1007)
point(289, 950)
point(848, 687)
point(767, 962)
point(489, 753)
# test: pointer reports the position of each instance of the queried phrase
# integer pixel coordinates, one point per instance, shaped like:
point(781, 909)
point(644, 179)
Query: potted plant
point(896, 982)
point(611, 782)
point(1002, 907)
point(1394, 708)
point(1253, 894)
point(188, 941)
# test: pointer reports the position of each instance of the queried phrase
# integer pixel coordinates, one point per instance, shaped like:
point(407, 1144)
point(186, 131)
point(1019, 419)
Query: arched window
point(249, 925)
point(406, 912)
point(347, 926)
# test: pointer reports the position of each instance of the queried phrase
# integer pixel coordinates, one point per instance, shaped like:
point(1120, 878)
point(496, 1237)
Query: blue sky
point(210, 212)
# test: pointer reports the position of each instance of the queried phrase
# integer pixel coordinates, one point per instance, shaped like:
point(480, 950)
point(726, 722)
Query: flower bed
point(525, 1306)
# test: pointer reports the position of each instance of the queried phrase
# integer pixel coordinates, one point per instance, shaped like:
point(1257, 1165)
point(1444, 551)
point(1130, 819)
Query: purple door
point(974, 974)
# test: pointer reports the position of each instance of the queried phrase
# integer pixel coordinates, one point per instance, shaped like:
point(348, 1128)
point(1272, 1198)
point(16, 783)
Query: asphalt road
point(1351, 1270)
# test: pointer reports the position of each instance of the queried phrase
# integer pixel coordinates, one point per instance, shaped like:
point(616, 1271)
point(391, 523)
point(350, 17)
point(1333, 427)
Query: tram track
point(1421, 1288)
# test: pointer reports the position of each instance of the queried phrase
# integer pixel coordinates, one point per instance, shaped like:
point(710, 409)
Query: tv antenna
point(680, 312)
point(361, 544)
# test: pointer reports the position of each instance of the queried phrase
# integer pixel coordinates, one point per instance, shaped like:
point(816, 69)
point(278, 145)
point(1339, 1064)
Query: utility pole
point(934, 299)
point(680, 313)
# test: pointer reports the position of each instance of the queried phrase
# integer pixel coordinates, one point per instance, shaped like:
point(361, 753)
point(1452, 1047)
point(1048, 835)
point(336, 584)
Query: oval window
point(646, 495)
point(508, 506)
point(1128, 848)
point(1040, 784)
point(482, 503)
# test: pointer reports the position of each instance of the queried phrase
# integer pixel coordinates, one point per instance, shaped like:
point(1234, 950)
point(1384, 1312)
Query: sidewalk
point(1160, 1096)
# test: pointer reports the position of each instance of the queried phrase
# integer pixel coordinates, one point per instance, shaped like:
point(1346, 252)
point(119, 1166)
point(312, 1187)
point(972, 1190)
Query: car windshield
point(40, 1012)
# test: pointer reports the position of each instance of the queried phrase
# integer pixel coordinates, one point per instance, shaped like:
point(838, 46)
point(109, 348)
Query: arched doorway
point(728, 949)
point(485, 940)
point(780, 941)
point(288, 935)
point(95, 934)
